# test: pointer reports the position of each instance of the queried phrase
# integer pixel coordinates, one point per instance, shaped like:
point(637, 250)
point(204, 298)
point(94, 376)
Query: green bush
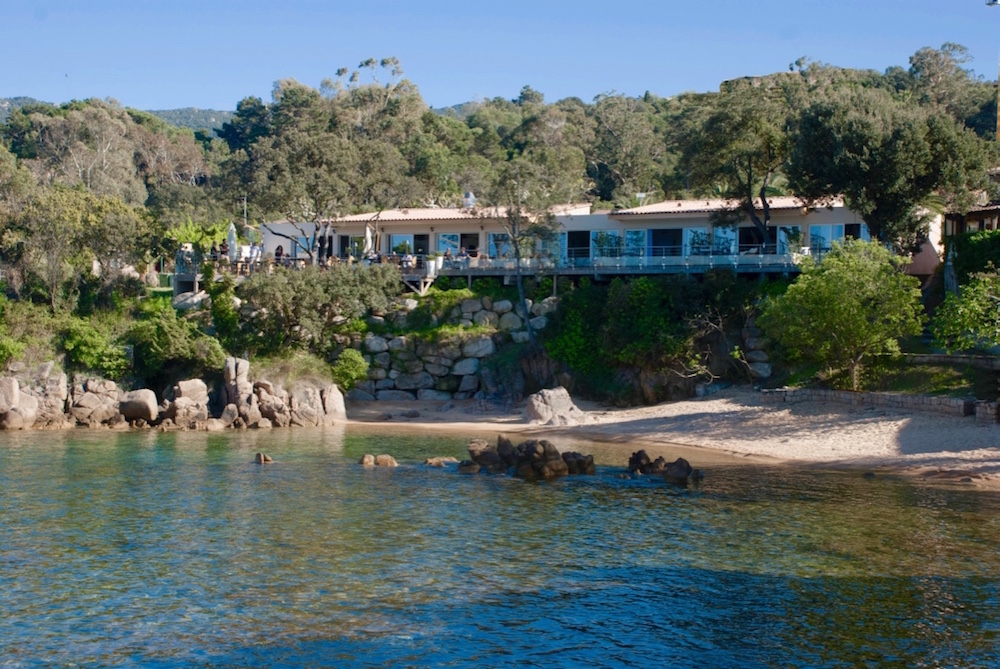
point(350, 368)
point(89, 349)
point(166, 348)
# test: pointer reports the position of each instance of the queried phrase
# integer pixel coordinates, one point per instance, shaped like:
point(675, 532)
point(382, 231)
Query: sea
point(175, 549)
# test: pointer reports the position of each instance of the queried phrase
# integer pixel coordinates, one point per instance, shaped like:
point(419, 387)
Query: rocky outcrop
point(383, 460)
point(532, 459)
point(94, 402)
point(679, 471)
point(139, 405)
point(554, 407)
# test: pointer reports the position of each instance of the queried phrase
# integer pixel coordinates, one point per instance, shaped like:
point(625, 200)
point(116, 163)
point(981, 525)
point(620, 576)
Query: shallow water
point(174, 549)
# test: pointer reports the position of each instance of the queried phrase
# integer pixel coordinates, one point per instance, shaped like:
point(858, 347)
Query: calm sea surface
point(169, 550)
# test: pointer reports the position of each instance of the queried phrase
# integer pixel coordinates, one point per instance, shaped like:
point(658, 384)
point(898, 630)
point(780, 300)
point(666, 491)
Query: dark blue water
point(175, 550)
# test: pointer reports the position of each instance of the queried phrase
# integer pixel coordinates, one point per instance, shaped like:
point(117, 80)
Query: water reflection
point(146, 548)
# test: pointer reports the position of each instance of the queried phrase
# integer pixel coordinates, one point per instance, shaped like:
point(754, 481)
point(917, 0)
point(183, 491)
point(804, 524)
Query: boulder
point(469, 384)
point(358, 395)
point(139, 405)
point(194, 389)
point(441, 461)
point(486, 319)
point(189, 300)
point(414, 381)
point(185, 412)
point(237, 388)
point(229, 414)
point(478, 347)
point(760, 370)
point(554, 407)
point(333, 404)
point(394, 396)
point(510, 321)
point(465, 366)
point(10, 393)
point(263, 459)
point(503, 306)
point(28, 408)
point(376, 344)
point(385, 460)
point(430, 395)
point(471, 306)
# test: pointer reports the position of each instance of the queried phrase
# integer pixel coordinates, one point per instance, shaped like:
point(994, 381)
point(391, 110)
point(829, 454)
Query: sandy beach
point(733, 426)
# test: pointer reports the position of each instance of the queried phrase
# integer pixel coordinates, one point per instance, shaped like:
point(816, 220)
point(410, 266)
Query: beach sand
point(732, 426)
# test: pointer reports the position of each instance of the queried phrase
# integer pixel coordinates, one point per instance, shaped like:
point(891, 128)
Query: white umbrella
point(232, 241)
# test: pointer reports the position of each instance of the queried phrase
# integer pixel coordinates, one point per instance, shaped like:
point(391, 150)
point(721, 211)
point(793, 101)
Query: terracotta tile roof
point(418, 214)
point(708, 206)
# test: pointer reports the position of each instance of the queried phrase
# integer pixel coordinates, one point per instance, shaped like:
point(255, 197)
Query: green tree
point(971, 318)
point(856, 303)
point(888, 159)
point(740, 150)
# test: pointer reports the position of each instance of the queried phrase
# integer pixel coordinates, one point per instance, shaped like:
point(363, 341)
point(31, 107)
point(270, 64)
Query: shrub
point(90, 349)
point(350, 368)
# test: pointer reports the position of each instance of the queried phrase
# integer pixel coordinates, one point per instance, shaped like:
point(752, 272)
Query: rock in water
point(262, 459)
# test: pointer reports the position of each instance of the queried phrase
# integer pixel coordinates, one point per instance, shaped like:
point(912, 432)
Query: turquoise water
point(176, 550)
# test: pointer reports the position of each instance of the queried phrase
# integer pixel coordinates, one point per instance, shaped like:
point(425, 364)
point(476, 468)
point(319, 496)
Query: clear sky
point(212, 53)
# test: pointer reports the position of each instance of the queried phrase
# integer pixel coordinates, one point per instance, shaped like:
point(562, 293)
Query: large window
point(352, 245)
point(449, 241)
point(500, 245)
point(635, 243)
point(821, 237)
point(400, 244)
point(696, 242)
point(668, 242)
point(606, 243)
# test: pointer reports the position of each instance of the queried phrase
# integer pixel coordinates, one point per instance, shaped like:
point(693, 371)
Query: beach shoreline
point(733, 426)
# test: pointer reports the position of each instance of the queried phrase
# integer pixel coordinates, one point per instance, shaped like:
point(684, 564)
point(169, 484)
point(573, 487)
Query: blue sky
point(211, 54)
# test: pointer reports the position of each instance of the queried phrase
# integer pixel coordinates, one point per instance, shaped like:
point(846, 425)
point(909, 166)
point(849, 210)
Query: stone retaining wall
point(949, 406)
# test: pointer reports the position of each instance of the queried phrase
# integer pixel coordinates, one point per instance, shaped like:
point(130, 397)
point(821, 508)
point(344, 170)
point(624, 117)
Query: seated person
point(279, 255)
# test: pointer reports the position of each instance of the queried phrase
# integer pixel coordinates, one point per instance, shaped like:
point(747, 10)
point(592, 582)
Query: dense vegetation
point(89, 188)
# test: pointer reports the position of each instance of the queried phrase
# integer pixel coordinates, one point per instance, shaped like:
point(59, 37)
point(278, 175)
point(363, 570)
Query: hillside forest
point(89, 187)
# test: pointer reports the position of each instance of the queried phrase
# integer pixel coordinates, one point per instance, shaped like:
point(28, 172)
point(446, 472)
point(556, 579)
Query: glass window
point(448, 241)
point(635, 243)
point(724, 241)
point(400, 244)
point(606, 243)
point(696, 242)
point(499, 245)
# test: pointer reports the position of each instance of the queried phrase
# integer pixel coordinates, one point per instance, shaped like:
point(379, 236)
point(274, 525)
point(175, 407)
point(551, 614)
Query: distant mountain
point(459, 111)
point(188, 117)
point(194, 118)
point(7, 105)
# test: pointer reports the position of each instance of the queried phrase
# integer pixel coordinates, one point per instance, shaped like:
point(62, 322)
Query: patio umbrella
point(232, 241)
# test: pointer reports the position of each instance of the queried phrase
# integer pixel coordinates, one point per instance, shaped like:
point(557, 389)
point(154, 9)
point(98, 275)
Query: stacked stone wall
point(949, 406)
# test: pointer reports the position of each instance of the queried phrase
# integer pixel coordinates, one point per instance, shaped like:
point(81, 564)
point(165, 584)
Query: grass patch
point(949, 380)
point(295, 367)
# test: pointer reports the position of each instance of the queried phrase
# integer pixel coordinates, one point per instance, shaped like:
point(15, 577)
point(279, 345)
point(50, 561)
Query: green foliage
point(225, 317)
point(166, 348)
point(971, 319)
point(291, 367)
point(89, 349)
point(436, 307)
point(974, 252)
point(349, 368)
point(665, 323)
point(303, 308)
point(855, 304)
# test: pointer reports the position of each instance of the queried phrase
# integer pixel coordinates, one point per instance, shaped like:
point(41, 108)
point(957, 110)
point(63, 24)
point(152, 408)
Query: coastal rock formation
point(139, 405)
point(263, 459)
point(679, 471)
point(383, 460)
point(554, 407)
point(94, 402)
point(440, 461)
point(531, 459)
